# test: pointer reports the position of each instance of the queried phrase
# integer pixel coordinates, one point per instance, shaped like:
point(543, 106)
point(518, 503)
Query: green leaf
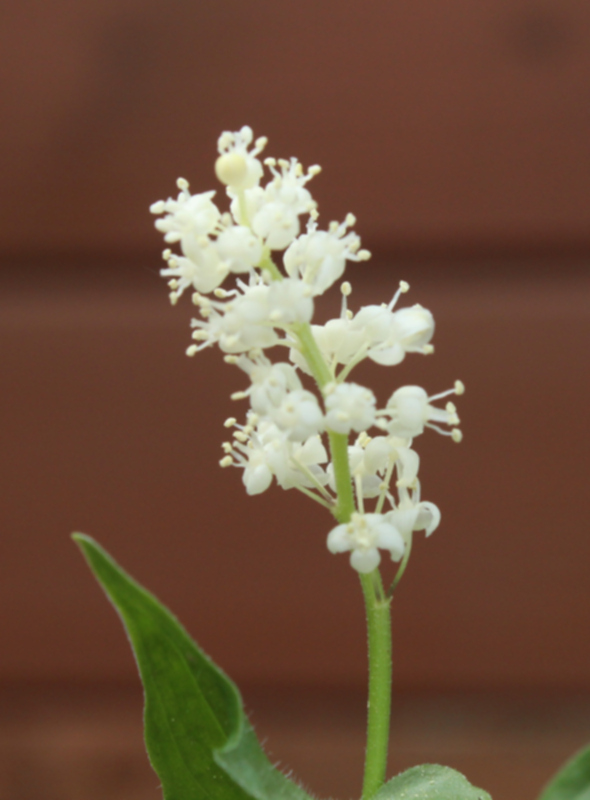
point(572, 782)
point(197, 736)
point(430, 782)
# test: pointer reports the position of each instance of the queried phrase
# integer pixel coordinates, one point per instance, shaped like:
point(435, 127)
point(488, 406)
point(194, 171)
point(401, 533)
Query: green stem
point(266, 263)
point(379, 706)
point(376, 603)
point(338, 441)
point(402, 567)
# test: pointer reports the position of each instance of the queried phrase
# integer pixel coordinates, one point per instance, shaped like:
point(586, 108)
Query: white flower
point(409, 517)
point(319, 257)
point(289, 301)
point(203, 272)
point(262, 450)
point(237, 167)
point(238, 325)
point(299, 415)
point(239, 248)
point(364, 535)
point(273, 212)
point(410, 411)
point(350, 407)
point(187, 217)
point(301, 468)
point(387, 335)
point(270, 382)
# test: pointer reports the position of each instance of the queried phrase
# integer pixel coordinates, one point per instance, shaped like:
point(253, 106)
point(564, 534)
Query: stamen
point(403, 288)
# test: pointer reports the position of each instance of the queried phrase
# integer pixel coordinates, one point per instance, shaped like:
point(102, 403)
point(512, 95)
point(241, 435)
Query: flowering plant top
point(248, 306)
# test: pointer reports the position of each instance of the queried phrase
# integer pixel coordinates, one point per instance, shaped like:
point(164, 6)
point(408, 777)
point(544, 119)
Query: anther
point(182, 184)
point(456, 435)
point(229, 422)
point(459, 387)
point(226, 461)
point(346, 289)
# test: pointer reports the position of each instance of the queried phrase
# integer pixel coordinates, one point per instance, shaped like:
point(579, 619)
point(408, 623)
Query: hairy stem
point(379, 706)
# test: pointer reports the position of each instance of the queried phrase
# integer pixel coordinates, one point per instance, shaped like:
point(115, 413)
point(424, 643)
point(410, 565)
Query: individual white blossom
point(409, 410)
point(350, 407)
point(299, 415)
point(204, 272)
point(364, 536)
point(239, 249)
point(273, 211)
point(319, 257)
point(263, 450)
point(409, 517)
point(237, 166)
point(270, 382)
point(187, 217)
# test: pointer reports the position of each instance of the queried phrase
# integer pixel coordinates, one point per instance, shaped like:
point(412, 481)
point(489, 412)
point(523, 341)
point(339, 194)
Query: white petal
point(428, 517)
point(339, 540)
point(365, 560)
point(257, 480)
point(389, 538)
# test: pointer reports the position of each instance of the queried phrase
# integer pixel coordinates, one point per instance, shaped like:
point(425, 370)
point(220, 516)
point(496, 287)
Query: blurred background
point(459, 135)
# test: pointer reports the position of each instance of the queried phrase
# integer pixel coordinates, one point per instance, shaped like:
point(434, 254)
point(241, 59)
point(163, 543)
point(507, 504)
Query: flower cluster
point(291, 434)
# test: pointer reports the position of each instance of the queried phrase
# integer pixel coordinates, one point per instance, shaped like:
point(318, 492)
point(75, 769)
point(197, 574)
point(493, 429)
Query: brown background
point(458, 132)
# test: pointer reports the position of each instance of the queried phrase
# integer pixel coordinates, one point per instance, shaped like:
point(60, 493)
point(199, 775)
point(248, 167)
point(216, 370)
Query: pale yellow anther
point(226, 461)
point(240, 436)
point(227, 447)
point(456, 435)
point(428, 349)
point(230, 359)
point(231, 169)
point(404, 287)
point(459, 387)
point(239, 395)
point(346, 289)
point(229, 422)
point(191, 350)
point(182, 184)
point(350, 220)
point(315, 169)
point(221, 293)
